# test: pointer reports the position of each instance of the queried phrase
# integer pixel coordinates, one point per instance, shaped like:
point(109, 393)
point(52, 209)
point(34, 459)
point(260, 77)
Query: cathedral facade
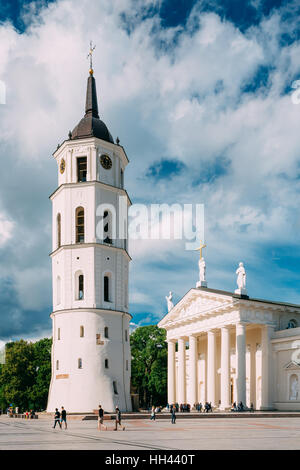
point(91, 360)
point(225, 347)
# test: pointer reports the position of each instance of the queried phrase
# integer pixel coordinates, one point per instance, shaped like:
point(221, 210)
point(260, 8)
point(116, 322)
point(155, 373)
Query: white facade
point(231, 348)
point(91, 360)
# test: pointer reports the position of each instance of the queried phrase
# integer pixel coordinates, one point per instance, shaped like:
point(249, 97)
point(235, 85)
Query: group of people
point(60, 417)
point(118, 419)
point(241, 407)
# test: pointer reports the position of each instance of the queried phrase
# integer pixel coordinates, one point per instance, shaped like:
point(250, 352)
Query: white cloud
point(185, 102)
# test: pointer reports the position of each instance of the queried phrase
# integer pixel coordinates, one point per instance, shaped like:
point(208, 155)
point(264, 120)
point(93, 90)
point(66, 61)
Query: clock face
point(62, 166)
point(106, 162)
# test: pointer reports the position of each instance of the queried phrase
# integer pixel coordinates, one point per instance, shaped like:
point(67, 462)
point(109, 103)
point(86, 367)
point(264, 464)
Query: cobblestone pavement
point(240, 433)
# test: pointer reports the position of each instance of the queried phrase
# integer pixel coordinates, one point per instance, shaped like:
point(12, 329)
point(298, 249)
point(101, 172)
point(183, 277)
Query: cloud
point(205, 114)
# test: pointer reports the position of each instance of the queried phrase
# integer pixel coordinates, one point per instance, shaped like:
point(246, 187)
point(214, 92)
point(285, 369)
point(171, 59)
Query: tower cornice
point(90, 310)
point(73, 144)
point(91, 183)
point(90, 245)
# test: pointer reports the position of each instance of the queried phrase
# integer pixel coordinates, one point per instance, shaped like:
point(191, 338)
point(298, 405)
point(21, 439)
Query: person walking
point(63, 418)
point(152, 414)
point(173, 415)
point(118, 420)
point(56, 418)
point(100, 419)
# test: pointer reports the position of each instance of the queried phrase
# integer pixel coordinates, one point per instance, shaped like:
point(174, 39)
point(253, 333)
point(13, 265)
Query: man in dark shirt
point(57, 418)
point(100, 419)
point(118, 420)
point(63, 417)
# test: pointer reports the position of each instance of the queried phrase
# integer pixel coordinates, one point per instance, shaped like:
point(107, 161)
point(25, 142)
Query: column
point(225, 368)
point(241, 363)
point(171, 373)
point(193, 363)
point(266, 367)
point(181, 370)
point(211, 367)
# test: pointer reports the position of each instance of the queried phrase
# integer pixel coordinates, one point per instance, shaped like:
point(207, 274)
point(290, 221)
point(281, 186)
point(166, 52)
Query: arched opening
point(80, 287)
point(294, 387)
point(81, 169)
point(292, 323)
point(80, 363)
point(57, 365)
point(107, 221)
point(115, 387)
point(58, 228)
point(122, 179)
point(106, 288)
point(106, 332)
point(79, 225)
point(81, 331)
point(106, 363)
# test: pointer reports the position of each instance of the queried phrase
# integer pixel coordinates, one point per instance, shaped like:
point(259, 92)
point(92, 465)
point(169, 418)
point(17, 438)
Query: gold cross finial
point(200, 248)
point(90, 55)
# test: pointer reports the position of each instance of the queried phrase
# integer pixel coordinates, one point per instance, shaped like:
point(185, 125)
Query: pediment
point(292, 365)
point(196, 303)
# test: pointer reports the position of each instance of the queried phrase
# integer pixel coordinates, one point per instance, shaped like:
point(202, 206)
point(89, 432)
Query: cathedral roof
point(91, 125)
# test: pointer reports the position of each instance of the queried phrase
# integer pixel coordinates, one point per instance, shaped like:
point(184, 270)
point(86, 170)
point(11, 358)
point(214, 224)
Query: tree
point(42, 364)
point(149, 364)
point(25, 376)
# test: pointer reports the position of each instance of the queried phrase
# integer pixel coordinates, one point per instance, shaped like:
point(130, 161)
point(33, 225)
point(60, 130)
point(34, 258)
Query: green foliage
point(149, 365)
point(25, 376)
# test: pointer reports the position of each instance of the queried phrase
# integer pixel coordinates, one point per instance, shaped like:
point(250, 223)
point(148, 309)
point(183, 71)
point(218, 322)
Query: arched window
point(58, 228)
point(115, 387)
point(80, 287)
point(58, 333)
point(81, 331)
point(57, 365)
point(126, 335)
point(106, 332)
point(58, 290)
point(122, 179)
point(292, 324)
point(107, 227)
point(106, 363)
point(79, 225)
point(81, 169)
point(106, 288)
point(80, 363)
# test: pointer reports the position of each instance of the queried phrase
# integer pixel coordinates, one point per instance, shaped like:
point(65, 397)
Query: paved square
point(202, 434)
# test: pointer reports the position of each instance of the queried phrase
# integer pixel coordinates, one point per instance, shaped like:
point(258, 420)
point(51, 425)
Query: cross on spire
point(90, 55)
point(202, 245)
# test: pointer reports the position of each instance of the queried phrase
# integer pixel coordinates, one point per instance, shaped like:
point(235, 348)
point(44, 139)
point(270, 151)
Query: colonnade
point(240, 373)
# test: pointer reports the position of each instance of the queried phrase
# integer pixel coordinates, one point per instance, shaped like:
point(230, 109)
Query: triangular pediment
point(197, 302)
point(292, 365)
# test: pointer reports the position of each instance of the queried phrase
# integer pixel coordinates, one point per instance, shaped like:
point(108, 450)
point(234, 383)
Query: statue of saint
point(169, 301)
point(202, 270)
point(241, 276)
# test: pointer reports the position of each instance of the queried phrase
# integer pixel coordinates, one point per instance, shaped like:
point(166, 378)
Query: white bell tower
point(91, 351)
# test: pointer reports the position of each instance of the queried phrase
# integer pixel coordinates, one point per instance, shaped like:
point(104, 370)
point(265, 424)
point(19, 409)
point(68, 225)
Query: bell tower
point(90, 320)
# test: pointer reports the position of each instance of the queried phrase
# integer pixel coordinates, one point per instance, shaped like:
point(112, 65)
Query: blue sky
point(199, 93)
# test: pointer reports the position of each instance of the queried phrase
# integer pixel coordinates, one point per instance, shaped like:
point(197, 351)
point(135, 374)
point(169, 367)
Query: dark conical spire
point(90, 125)
point(91, 104)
